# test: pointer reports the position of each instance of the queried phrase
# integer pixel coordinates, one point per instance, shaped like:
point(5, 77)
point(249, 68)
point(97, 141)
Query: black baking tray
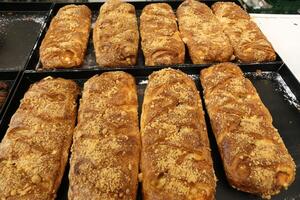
point(90, 61)
point(21, 25)
point(11, 79)
point(276, 85)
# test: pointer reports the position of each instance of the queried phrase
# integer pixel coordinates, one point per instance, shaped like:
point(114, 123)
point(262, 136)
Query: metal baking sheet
point(21, 25)
point(277, 87)
point(90, 61)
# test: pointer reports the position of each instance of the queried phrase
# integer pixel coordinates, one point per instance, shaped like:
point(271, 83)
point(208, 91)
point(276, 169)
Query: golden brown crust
point(34, 151)
point(249, 43)
point(65, 43)
point(161, 42)
point(176, 161)
point(105, 151)
point(203, 33)
point(254, 156)
point(116, 35)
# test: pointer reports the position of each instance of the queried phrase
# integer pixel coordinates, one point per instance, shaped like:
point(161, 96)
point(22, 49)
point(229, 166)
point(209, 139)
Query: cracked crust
point(249, 43)
point(65, 42)
point(176, 161)
point(116, 35)
point(254, 156)
point(34, 150)
point(203, 33)
point(105, 151)
point(161, 42)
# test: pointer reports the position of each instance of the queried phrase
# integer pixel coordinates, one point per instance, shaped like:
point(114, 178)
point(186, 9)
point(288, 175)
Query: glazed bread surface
point(116, 35)
point(106, 147)
point(161, 42)
point(65, 42)
point(34, 150)
point(203, 33)
point(254, 156)
point(175, 162)
point(249, 43)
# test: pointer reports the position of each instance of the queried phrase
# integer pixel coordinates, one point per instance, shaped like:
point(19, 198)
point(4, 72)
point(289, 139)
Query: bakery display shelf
point(11, 80)
point(21, 25)
point(90, 60)
point(276, 85)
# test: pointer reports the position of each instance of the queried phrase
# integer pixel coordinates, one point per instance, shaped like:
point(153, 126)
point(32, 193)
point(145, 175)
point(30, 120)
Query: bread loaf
point(254, 156)
point(106, 147)
point(176, 162)
point(35, 148)
point(249, 43)
point(116, 35)
point(65, 42)
point(161, 42)
point(203, 33)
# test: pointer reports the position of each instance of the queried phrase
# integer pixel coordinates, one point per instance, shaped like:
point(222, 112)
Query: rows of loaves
point(224, 32)
point(170, 154)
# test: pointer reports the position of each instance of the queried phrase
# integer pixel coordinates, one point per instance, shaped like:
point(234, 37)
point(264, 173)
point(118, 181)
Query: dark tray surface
point(90, 61)
point(19, 32)
point(273, 90)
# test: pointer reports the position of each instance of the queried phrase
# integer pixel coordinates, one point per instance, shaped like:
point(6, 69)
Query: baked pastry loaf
point(249, 43)
point(161, 42)
point(203, 33)
point(65, 42)
point(254, 156)
point(106, 147)
point(34, 151)
point(116, 35)
point(176, 162)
